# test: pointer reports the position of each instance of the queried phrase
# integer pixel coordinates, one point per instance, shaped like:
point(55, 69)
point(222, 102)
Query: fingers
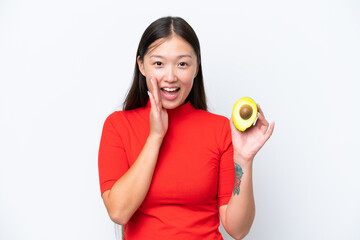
point(152, 100)
point(155, 92)
point(232, 125)
point(270, 131)
point(259, 109)
point(262, 119)
point(262, 123)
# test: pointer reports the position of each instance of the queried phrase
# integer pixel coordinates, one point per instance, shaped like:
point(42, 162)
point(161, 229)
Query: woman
point(166, 165)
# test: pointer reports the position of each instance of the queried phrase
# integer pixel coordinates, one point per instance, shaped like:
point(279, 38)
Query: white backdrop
point(66, 65)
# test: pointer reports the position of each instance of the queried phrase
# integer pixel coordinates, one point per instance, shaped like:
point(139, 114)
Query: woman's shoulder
point(119, 116)
point(115, 115)
point(215, 128)
point(209, 121)
point(210, 116)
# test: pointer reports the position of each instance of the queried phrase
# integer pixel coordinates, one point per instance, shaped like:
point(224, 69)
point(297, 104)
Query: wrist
point(245, 163)
point(155, 138)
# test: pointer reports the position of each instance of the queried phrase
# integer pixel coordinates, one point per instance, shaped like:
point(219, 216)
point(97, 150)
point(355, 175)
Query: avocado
point(244, 113)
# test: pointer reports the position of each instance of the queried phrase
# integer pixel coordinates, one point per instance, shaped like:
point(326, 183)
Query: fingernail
point(148, 93)
point(151, 78)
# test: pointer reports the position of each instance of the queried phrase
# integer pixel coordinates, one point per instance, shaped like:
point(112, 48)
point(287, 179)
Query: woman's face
point(171, 62)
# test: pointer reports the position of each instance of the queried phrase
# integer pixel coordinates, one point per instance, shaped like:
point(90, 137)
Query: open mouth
point(170, 93)
point(170, 90)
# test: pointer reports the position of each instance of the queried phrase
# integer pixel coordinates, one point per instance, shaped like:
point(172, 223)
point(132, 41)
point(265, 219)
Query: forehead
point(171, 45)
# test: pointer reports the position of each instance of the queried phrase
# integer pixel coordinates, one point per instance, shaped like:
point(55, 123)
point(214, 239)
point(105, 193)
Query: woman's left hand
point(246, 144)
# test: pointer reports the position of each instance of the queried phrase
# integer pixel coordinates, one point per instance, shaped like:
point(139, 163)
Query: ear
point(197, 70)
point(141, 65)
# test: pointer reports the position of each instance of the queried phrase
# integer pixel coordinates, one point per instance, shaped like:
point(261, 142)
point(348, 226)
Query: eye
point(158, 63)
point(183, 64)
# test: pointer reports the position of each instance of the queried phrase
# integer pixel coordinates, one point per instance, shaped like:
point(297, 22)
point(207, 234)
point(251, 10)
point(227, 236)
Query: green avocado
point(244, 113)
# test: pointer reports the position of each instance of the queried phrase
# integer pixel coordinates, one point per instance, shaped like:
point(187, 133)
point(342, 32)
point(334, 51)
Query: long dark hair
point(163, 28)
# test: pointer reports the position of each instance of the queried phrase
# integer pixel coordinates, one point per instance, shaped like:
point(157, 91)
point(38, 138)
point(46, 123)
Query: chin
point(172, 105)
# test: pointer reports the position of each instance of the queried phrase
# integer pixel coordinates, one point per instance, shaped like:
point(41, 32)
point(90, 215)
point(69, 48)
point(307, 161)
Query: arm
point(238, 216)
point(127, 194)
point(130, 190)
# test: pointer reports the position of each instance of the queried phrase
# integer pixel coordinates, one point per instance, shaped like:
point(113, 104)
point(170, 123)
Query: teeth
point(170, 89)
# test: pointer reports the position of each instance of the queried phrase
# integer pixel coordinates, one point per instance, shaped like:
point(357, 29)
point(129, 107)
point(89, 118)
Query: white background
point(66, 65)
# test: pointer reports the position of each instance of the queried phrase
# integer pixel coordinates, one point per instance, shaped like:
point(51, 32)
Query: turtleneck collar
point(180, 110)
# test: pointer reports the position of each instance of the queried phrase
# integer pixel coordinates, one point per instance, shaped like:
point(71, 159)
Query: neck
point(182, 109)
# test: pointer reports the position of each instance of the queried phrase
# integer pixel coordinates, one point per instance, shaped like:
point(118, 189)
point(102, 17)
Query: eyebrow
point(180, 56)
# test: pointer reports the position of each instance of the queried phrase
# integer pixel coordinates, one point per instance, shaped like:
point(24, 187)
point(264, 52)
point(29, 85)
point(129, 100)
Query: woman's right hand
point(158, 115)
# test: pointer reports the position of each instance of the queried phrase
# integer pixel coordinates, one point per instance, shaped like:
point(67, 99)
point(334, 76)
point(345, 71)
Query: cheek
point(148, 84)
point(158, 73)
point(188, 83)
point(191, 73)
point(187, 78)
point(149, 70)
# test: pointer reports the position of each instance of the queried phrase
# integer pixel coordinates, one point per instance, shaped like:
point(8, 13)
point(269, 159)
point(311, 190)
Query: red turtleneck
point(194, 174)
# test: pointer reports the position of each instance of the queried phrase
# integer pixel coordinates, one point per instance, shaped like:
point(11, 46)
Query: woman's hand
point(246, 144)
point(158, 114)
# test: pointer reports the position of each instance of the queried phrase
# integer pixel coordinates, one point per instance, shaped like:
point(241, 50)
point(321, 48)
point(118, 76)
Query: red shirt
point(194, 174)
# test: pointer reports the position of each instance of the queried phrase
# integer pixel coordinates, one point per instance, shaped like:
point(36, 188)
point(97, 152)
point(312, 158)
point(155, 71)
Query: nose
point(170, 75)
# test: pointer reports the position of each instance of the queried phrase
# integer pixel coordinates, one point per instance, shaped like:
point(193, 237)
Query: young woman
point(168, 168)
